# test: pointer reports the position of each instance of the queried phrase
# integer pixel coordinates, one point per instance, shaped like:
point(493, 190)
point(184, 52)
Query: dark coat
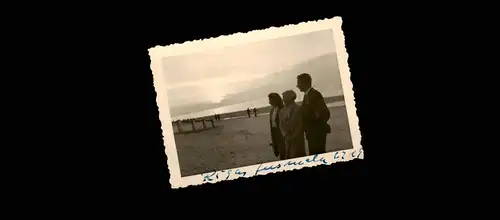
point(278, 142)
point(315, 113)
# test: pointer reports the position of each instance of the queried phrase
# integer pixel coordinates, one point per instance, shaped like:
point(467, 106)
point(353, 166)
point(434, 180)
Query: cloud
point(222, 80)
point(209, 90)
point(211, 75)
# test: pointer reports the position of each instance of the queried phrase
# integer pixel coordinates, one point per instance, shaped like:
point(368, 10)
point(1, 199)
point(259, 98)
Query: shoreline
point(329, 105)
point(261, 111)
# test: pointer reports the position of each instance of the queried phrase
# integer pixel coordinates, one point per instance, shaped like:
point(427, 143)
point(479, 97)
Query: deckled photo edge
point(345, 77)
point(164, 116)
point(159, 52)
point(250, 171)
point(199, 45)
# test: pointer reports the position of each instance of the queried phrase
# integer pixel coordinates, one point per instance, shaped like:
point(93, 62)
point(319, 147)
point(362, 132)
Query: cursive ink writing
point(222, 175)
point(314, 159)
point(261, 168)
point(240, 173)
point(208, 176)
point(355, 154)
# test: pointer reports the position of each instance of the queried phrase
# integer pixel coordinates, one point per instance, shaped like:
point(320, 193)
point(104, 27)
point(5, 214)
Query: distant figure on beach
point(291, 126)
point(277, 141)
point(248, 112)
point(255, 111)
point(315, 115)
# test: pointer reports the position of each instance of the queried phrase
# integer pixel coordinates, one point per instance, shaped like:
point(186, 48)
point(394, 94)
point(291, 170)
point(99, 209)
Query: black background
point(147, 173)
point(88, 132)
point(361, 46)
point(120, 154)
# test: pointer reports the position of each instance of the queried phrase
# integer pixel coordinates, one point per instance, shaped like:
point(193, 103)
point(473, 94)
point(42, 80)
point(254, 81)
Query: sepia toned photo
point(256, 103)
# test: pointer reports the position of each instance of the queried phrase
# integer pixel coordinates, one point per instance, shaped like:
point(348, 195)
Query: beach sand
point(245, 141)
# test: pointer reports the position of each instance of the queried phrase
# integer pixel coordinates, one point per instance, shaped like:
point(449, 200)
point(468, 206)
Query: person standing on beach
point(315, 115)
point(291, 126)
point(277, 141)
point(255, 111)
point(248, 112)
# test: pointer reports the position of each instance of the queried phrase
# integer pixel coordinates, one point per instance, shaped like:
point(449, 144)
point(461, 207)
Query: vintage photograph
point(243, 104)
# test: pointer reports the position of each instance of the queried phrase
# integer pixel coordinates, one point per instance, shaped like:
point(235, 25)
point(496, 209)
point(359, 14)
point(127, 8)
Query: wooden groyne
point(193, 125)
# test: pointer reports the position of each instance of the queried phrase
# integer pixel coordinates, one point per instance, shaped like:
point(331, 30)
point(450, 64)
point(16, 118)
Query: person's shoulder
point(297, 107)
point(315, 93)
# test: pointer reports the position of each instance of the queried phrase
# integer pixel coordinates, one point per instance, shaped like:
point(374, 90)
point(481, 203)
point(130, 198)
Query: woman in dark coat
point(278, 143)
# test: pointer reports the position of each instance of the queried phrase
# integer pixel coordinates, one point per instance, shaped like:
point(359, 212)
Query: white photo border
point(159, 52)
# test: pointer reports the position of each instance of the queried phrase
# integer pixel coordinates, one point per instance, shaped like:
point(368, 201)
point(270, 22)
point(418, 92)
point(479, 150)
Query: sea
point(258, 103)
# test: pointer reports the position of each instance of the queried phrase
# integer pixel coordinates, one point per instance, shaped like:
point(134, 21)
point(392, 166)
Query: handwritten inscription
point(236, 173)
point(222, 175)
point(290, 163)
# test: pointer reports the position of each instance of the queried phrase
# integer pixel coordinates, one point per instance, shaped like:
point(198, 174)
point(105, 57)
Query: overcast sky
point(210, 75)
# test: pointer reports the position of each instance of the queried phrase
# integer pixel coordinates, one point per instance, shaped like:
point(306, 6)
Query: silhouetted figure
point(248, 112)
point(255, 112)
point(291, 126)
point(193, 125)
point(277, 141)
point(315, 114)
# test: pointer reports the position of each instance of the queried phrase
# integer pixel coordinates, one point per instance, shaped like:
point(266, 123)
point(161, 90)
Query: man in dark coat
point(315, 115)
